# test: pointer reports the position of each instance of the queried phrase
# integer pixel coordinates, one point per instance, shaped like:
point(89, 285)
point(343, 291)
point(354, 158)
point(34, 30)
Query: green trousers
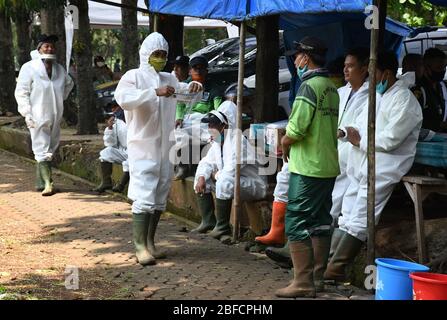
point(309, 206)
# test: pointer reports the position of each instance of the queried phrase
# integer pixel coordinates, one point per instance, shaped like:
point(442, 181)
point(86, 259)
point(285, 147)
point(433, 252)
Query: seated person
point(115, 141)
point(413, 62)
point(398, 122)
point(216, 173)
point(189, 116)
point(431, 92)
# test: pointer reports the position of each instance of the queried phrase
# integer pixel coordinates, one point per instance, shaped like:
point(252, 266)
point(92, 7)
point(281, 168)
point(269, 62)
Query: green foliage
point(194, 39)
point(417, 13)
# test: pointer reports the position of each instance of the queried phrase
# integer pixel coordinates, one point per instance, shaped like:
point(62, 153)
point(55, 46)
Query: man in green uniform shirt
point(310, 148)
point(189, 120)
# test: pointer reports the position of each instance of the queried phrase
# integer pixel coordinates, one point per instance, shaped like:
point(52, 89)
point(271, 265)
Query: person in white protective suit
point(398, 122)
point(42, 87)
point(353, 99)
point(216, 173)
point(146, 95)
point(115, 142)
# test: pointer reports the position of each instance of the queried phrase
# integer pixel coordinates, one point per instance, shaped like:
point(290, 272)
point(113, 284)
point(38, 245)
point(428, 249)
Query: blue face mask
point(303, 70)
point(382, 86)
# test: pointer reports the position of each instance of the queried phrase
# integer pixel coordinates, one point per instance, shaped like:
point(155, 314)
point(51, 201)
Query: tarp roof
point(107, 16)
point(248, 9)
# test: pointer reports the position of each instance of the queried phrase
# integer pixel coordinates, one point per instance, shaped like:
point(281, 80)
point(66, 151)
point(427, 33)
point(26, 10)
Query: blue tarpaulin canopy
point(238, 10)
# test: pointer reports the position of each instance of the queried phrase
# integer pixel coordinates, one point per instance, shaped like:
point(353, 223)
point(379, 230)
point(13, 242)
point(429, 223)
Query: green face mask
point(158, 63)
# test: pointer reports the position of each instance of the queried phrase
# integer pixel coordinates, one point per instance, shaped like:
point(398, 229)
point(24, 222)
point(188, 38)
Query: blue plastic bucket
point(393, 280)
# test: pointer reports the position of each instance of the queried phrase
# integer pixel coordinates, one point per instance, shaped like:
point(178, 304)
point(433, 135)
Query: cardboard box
point(273, 135)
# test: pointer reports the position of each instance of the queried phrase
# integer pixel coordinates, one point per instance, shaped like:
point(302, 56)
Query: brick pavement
point(40, 236)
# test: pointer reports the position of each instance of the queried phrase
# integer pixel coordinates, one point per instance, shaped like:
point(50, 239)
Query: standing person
point(115, 142)
point(101, 72)
point(353, 98)
point(145, 94)
point(42, 87)
point(310, 148)
point(117, 66)
point(398, 122)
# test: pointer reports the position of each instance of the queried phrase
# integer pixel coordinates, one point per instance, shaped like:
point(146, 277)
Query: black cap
point(43, 38)
point(232, 90)
point(308, 45)
point(182, 60)
point(199, 60)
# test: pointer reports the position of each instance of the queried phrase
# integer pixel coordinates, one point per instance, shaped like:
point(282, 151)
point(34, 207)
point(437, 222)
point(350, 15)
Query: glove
point(29, 121)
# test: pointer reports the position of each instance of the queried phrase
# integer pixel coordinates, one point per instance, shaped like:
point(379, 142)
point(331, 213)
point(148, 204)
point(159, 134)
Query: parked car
point(104, 96)
point(223, 50)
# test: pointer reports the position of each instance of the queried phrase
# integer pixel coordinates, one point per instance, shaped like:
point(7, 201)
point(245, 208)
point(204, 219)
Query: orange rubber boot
point(276, 235)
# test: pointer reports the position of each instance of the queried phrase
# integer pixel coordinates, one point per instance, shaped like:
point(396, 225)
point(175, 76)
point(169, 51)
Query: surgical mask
point(47, 56)
point(382, 86)
point(437, 76)
point(303, 70)
point(157, 63)
point(100, 64)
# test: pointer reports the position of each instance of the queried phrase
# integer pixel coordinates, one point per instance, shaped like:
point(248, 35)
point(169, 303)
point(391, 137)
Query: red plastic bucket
point(429, 286)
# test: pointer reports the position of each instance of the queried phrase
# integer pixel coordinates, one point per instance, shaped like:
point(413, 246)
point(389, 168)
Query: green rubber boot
point(40, 184)
point(321, 247)
point(347, 249)
point(154, 218)
point(106, 177)
point(337, 234)
point(45, 173)
point(223, 212)
point(206, 208)
point(140, 232)
point(122, 185)
point(302, 285)
point(281, 256)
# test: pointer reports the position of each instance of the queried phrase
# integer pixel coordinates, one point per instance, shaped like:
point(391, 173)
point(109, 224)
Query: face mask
point(382, 87)
point(157, 63)
point(437, 76)
point(46, 56)
point(100, 64)
point(303, 70)
point(198, 77)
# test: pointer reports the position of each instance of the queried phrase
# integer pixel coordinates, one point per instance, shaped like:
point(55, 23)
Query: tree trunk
point(23, 22)
point(7, 69)
point(52, 21)
point(83, 58)
point(129, 36)
point(267, 36)
point(171, 27)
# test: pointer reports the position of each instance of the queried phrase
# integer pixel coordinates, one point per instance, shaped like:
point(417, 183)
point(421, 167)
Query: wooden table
point(419, 187)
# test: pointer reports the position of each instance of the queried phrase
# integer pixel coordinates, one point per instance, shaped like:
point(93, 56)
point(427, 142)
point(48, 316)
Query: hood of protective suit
point(34, 54)
point(153, 42)
point(229, 109)
point(407, 80)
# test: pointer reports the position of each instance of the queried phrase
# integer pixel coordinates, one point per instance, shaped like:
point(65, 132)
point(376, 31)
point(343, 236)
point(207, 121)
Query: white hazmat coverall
point(115, 141)
point(398, 122)
point(222, 162)
point(150, 124)
point(351, 105)
point(41, 101)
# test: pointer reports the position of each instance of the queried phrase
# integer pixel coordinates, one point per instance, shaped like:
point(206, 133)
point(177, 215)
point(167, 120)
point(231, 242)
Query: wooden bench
point(419, 187)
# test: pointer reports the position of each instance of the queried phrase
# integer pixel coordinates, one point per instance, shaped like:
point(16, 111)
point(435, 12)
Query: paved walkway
point(41, 236)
